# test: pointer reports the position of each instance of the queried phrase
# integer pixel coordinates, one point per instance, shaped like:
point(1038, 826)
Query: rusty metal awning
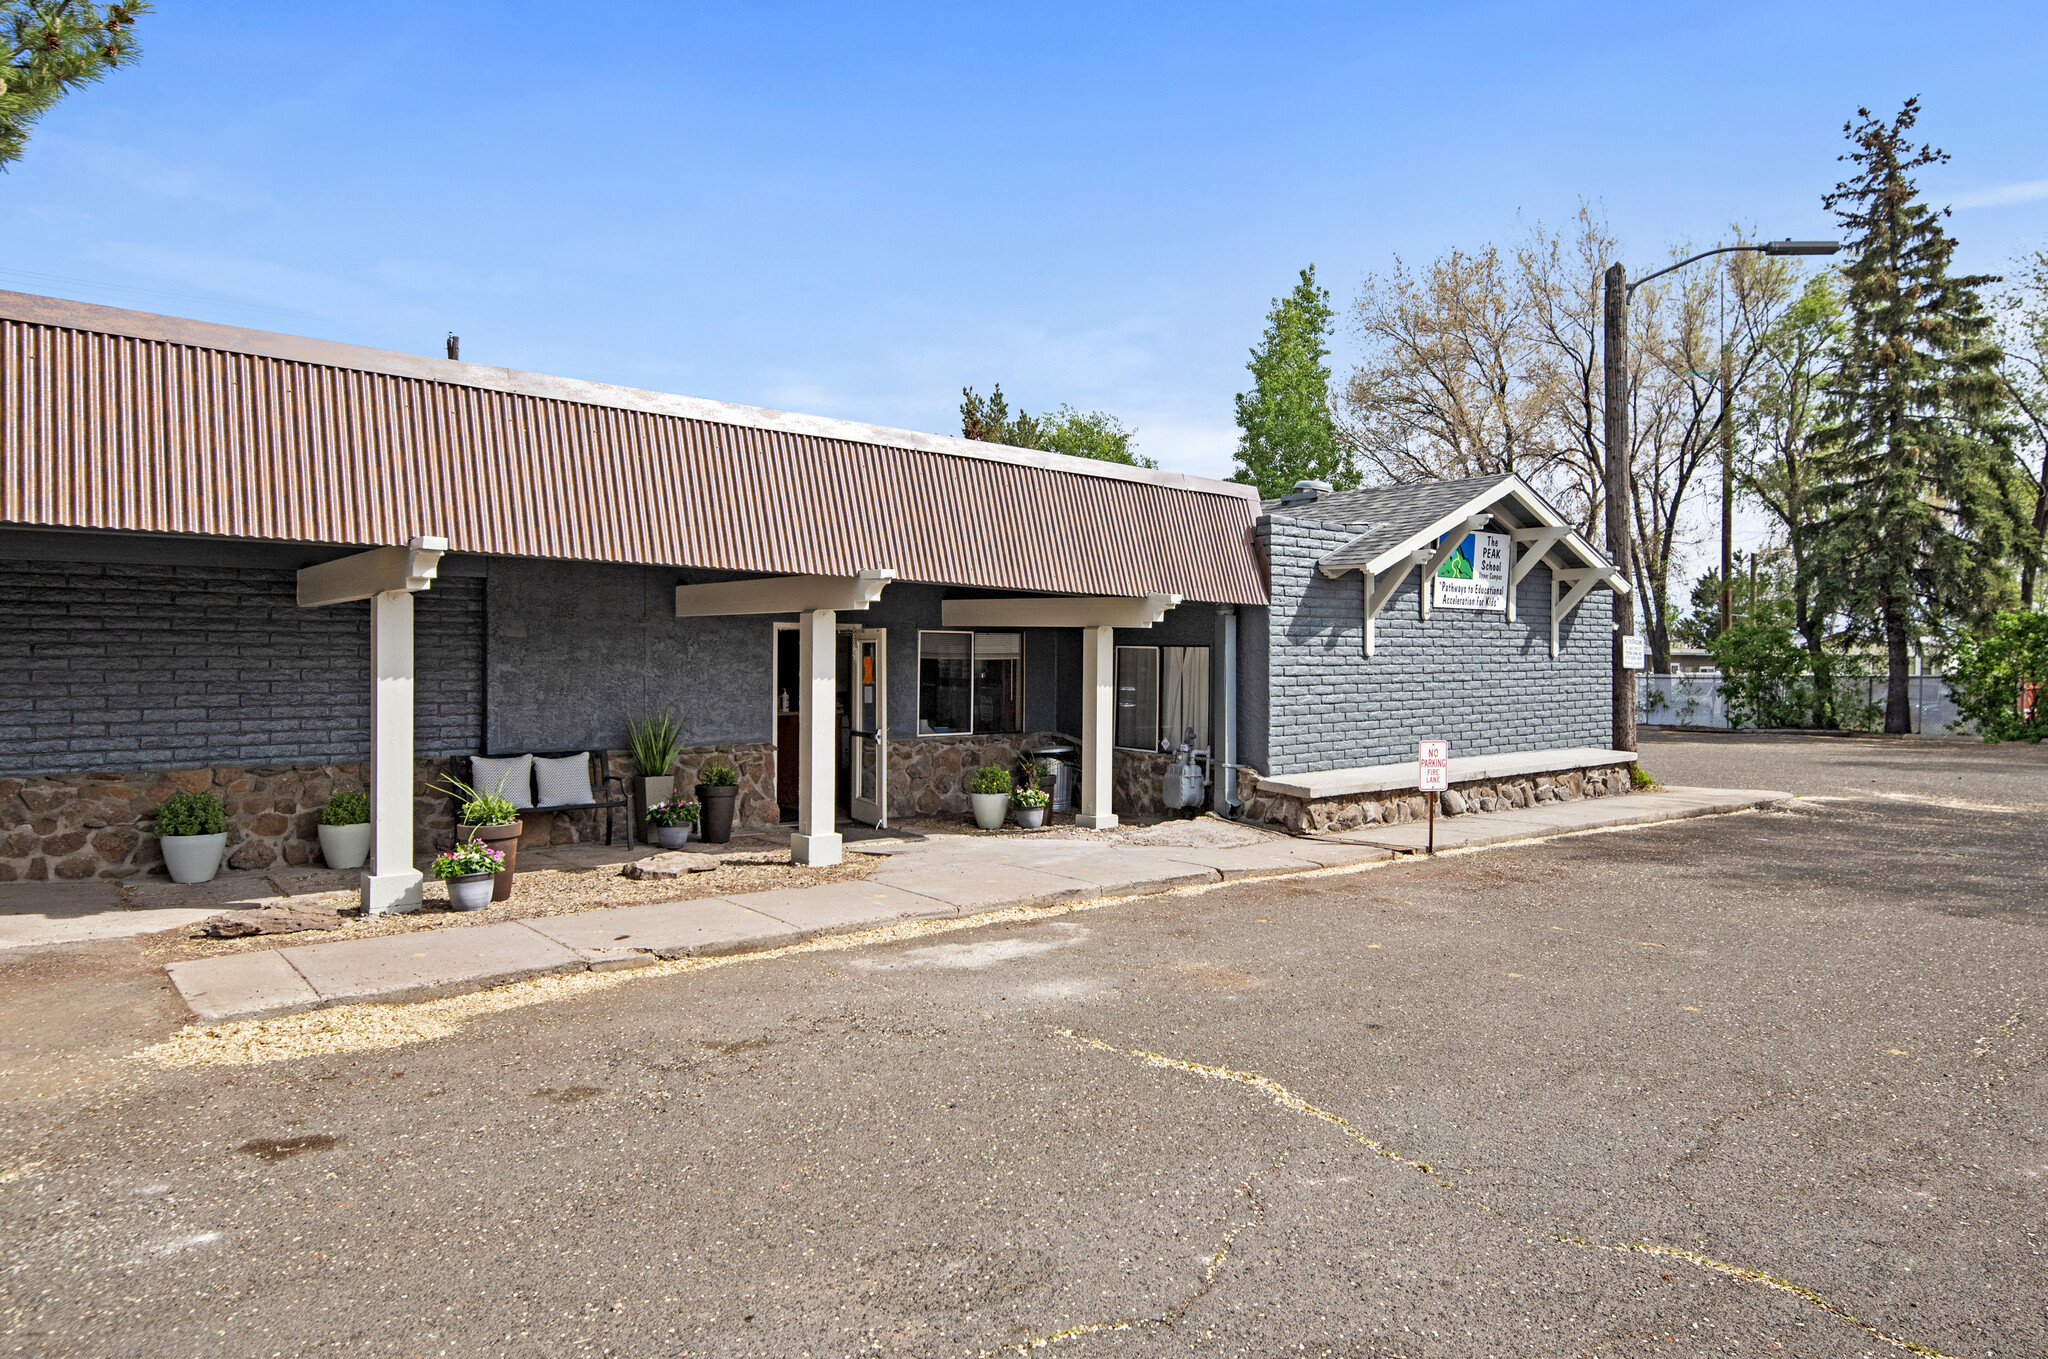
point(123, 420)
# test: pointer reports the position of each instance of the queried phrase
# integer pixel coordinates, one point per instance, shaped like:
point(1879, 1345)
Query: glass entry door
point(868, 734)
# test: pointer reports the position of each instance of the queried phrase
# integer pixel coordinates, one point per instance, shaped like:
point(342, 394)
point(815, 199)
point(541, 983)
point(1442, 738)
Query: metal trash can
point(1059, 751)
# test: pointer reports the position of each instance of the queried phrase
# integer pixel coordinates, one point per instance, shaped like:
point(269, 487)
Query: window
point(1137, 697)
point(969, 682)
point(1161, 691)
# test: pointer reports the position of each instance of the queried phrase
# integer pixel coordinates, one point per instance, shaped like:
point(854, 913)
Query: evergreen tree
point(1923, 504)
point(1287, 432)
point(50, 47)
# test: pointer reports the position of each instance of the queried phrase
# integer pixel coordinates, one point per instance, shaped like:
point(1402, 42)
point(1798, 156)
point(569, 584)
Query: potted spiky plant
point(656, 739)
point(492, 820)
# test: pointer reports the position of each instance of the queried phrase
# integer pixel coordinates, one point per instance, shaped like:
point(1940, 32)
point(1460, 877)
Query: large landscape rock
point(673, 864)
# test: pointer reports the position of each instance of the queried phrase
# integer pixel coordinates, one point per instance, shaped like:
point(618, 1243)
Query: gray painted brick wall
point(1486, 685)
point(150, 666)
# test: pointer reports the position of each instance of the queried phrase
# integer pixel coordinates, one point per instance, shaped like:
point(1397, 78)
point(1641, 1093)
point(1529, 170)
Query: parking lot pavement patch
point(429, 963)
point(702, 927)
point(242, 986)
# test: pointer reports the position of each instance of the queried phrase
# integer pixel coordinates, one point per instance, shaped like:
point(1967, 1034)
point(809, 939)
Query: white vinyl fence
point(1694, 700)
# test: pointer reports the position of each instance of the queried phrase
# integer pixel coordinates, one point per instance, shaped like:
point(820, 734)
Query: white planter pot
point(471, 891)
point(672, 837)
point(345, 846)
point(990, 809)
point(193, 858)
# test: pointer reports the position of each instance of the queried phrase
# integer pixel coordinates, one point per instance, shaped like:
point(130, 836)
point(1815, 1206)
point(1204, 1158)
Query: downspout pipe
point(1226, 787)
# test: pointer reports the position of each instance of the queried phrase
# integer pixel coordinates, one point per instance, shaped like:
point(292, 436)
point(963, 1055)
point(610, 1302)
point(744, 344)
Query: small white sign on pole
point(1435, 764)
point(1631, 652)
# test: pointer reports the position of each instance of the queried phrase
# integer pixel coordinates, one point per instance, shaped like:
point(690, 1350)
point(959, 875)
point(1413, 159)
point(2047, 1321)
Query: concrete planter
point(345, 846)
point(990, 809)
point(472, 891)
point(503, 838)
point(1030, 818)
point(193, 858)
point(647, 792)
point(672, 837)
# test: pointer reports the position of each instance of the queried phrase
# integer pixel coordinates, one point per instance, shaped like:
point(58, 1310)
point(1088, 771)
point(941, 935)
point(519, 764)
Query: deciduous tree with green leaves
point(1079, 434)
point(1924, 508)
point(1287, 433)
point(49, 48)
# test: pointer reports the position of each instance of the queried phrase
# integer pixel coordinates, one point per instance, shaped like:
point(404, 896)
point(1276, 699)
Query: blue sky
point(855, 211)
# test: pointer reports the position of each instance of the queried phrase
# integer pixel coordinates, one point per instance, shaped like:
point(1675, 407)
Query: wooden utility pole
point(1614, 363)
point(1727, 489)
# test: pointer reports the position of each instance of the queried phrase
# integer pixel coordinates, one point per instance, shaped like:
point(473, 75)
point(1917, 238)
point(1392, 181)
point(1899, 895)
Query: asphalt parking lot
point(1756, 1084)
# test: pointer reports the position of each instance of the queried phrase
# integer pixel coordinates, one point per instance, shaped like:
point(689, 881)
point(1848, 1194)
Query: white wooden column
point(1098, 728)
point(391, 883)
point(816, 841)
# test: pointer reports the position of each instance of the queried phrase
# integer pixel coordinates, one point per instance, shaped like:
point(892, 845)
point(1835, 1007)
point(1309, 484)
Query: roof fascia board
point(51, 311)
point(1056, 611)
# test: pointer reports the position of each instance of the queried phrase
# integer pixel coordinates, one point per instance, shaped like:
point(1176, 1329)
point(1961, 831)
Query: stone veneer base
point(1397, 806)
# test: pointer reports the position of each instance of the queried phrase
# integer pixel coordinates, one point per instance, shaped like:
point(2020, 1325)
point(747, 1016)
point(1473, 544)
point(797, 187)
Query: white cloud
point(2027, 191)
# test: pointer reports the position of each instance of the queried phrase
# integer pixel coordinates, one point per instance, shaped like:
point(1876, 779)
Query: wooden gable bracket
point(1582, 582)
point(1446, 545)
point(1379, 589)
point(1529, 547)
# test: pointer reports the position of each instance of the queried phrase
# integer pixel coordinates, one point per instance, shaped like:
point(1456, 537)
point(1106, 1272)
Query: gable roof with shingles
point(1397, 520)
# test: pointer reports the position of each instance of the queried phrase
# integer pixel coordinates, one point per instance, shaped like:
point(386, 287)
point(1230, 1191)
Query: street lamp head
point(1802, 247)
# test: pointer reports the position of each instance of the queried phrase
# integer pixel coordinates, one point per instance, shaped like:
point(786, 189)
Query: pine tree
point(1922, 502)
point(1287, 432)
point(50, 47)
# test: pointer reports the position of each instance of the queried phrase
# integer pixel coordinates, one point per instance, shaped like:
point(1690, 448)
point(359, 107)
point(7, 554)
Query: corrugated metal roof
point(121, 420)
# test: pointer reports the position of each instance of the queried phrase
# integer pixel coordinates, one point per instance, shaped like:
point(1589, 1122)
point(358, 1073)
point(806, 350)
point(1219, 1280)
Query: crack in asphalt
point(1287, 1099)
point(1171, 1315)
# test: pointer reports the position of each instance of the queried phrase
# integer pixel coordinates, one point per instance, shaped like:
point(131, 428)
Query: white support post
point(816, 840)
point(1098, 728)
point(392, 883)
point(1514, 548)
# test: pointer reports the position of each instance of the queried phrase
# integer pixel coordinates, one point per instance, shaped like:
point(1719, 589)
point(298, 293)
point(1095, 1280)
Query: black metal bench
point(601, 787)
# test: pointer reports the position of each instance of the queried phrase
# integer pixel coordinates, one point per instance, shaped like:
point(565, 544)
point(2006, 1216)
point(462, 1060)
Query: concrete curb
point(269, 983)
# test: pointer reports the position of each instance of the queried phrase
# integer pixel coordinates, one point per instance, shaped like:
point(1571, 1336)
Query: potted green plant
point(718, 789)
point(345, 830)
point(656, 739)
point(471, 870)
point(672, 821)
point(493, 820)
point(1029, 806)
point(989, 791)
point(192, 829)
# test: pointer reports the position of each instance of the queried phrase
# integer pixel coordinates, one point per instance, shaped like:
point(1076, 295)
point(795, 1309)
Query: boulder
point(671, 864)
point(1454, 803)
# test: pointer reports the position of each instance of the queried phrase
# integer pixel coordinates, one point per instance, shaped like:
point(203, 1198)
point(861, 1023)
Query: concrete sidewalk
point(936, 877)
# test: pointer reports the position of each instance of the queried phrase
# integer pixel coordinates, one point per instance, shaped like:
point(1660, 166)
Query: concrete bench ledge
point(1386, 778)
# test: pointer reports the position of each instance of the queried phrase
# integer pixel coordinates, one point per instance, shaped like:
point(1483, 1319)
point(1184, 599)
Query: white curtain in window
point(1183, 695)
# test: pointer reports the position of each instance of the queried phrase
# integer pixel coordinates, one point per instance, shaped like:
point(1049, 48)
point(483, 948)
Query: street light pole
point(1620, 458)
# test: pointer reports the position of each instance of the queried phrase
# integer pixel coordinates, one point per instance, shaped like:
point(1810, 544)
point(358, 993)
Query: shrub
point(191, 814)
point(482, 809)
point(656, 739)
point(1763, 673)
point(1997, 679)
point(719, 774)
point(1639, 778)
point(346, 809)
point(473, 856)
point(990, 778)
point(674, 812)
point(1029, 797)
